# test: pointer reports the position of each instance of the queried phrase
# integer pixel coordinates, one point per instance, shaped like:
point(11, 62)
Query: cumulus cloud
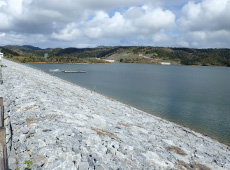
point(5, 22)
point(209, 15)
point(2, 3)
point(210, 39)
point(103, 22)
point(69, 33)
point(182, 43)
point(136, 20)
point(206, 24)
point(39, 16)
point(160, 37)
point(38, 40)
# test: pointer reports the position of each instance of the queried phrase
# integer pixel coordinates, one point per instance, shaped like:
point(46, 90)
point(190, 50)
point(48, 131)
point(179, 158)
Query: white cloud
point(218, 39)
point(198, 35)
point(13, 38)
point(69, 33)
point(154, 20)
point(2, 34)
point(2, 3)
point(74, 19)
point(38, 16)
point(210, 15)
point(4, 22)
point(160, 37)
point(102, 25)
point(104, 22)
point(206, 24)
point(136, 20)
point(182, 43)
point(14, 8)
point(221, 35)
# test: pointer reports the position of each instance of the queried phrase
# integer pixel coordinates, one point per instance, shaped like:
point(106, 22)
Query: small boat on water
point(75, 71)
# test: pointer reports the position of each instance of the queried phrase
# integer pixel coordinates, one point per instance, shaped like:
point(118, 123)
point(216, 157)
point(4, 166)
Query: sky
point(92, 23)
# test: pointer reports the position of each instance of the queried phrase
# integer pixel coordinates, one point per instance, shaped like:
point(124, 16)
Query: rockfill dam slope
point(58, 125)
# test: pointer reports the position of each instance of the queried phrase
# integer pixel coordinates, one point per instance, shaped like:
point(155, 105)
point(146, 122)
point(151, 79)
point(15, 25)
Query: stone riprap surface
point(58, 125)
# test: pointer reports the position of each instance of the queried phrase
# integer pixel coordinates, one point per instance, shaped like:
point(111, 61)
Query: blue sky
point(90, 23)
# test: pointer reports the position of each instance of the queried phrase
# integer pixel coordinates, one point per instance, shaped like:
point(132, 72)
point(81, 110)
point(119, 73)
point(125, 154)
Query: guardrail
point(3, 165)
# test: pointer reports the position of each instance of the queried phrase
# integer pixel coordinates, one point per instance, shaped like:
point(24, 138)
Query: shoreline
point(76, 122)
point(122, 62)
point(129, 63)
point(64, 63)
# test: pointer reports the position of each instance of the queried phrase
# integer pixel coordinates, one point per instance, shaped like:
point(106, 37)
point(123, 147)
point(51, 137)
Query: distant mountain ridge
point(23, 48)
point(126, 54)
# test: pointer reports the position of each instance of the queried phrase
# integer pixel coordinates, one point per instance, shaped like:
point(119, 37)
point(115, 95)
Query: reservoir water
point(195, 97)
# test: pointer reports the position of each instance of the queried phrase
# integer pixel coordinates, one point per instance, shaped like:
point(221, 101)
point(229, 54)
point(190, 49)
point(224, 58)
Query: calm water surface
point(196, 97)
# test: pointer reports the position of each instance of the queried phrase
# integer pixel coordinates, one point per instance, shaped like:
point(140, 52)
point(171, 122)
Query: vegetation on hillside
point(129, 54)
point(9, 53)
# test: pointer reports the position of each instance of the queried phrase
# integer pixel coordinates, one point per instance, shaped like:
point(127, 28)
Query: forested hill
point(127, 54)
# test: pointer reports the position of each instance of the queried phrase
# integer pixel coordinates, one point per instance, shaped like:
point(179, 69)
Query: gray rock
point(11, 161)
point(22, 138)
point(83, 166)
point(76, 149)
point(99, 167)
point(25, 130)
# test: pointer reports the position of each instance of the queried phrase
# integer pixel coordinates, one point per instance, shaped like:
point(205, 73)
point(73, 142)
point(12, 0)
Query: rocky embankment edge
point(58, 125)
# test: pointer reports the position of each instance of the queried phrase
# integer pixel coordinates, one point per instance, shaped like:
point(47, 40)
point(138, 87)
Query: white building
point(1, 55)
point(111, 61)
point(165, 63)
